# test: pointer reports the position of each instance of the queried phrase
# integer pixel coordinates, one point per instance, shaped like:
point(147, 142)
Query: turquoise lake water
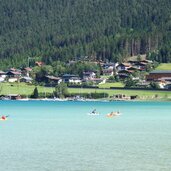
point(60, 136)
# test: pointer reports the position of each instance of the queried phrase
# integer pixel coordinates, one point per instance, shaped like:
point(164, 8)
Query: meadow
point(26, 90)
point(164, 66)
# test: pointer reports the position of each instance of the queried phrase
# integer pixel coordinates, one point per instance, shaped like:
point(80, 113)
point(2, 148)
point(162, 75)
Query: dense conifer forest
point(53, 30)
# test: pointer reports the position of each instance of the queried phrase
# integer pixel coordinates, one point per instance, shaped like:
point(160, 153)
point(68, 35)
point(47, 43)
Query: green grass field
point(164, 66)
point(108, 85)
point(24, 89)
point(143, 94)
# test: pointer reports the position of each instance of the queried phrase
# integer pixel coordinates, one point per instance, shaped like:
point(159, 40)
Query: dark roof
point(52, 77)
point(161, 72)
point(13, 73)
point(69, 75)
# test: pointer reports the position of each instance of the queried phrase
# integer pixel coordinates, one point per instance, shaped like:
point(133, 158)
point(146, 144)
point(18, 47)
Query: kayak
point(93, 114)
point(3, 119)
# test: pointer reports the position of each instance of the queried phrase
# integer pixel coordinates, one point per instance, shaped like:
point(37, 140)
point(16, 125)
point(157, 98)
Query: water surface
point(48, 136)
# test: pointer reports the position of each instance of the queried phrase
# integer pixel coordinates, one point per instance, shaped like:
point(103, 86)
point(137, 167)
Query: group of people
point(109, 114)
point(113, 114)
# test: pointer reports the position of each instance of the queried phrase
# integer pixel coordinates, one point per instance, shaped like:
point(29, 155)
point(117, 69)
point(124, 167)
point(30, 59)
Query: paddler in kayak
point(3, 117)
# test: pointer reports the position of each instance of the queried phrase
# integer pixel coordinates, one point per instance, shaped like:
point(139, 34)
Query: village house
point(52, 80)
point(75, 80)
point(141, 65)
point(108, 69)
point(67, 78)
point(123, 66)
point(124, 73)
point(89, 75)
point(13, 76)
point(158, 74)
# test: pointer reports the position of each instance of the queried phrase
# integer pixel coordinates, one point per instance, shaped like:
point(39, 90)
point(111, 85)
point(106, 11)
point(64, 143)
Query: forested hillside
point(75, 29)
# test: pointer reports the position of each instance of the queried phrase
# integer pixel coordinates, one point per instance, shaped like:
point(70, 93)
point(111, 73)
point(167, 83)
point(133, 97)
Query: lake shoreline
point(89, 100)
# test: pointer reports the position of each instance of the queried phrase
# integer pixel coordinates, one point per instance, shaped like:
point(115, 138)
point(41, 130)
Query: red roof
point(28, 69)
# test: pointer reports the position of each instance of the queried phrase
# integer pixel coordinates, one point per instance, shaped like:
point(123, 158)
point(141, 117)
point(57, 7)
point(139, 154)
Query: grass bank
point(24, 89)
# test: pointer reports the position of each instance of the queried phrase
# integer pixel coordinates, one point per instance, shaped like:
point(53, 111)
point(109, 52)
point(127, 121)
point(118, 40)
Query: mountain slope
point(69, 29)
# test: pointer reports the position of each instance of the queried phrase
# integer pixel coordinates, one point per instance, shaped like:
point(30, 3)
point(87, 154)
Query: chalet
point(52, 80)
point(13, 76)
point(108, 68)
point(124, 73)
point(140, 65)
point(158, 74)
point(75, 80)
point(67, 77)
point(123, 66)
point(89, 75)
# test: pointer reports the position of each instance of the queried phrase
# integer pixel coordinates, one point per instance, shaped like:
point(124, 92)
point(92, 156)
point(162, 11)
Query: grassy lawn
point(21, 88)
point(108, 85)
point(143, 94)
point(164, 66)
point(24, 89)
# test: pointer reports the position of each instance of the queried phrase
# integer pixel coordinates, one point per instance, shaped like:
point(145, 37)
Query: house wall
point(11, 80)
point(155, 76)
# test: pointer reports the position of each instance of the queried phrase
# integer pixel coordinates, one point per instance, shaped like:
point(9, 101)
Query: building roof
point(52, 77)
point(161, 72)
point(2, 72)
point(28, 69)
point(125, 64)
point(14, 73)
point(69, 75)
